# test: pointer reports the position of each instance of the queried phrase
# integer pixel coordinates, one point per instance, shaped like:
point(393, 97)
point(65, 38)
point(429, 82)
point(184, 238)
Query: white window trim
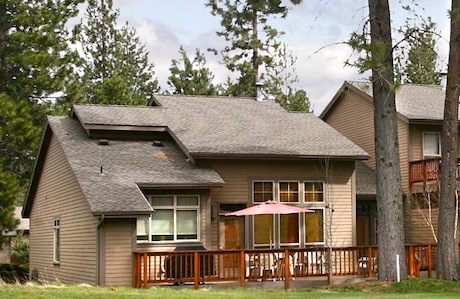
point(56, 246)
point(299, 192)
point(324, 226)
point(423, 143)
point(262, 181)
point(320, 203)
point(175, 209)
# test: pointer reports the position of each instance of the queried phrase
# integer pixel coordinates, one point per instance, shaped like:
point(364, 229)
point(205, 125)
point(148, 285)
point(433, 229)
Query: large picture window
point(314, 226)
point(175, 218)
point(291, 230)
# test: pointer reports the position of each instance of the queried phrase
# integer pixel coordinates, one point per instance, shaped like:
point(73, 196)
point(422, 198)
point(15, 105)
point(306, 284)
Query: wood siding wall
point(239, 175)
point(119, 245)
point(59, 196)
point(353, 116)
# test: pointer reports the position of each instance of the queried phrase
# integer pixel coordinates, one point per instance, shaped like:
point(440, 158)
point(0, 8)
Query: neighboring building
point(111, 180)
point(420, 114)
point(23, 226)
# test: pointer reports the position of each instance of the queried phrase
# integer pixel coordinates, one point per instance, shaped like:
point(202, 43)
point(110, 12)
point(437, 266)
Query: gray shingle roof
point(414, 101)
point(365, 179)
point(230, 126)
point(125, 165)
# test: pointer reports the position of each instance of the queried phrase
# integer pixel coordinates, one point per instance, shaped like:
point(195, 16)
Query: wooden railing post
point(411, 260)
point(146, 279)
point(242, 268)
point(287, 272)
point(196, 269)
point(369, 261)
point(430, 260)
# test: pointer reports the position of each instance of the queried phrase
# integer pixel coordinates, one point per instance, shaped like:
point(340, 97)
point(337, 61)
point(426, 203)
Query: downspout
point(98, 250)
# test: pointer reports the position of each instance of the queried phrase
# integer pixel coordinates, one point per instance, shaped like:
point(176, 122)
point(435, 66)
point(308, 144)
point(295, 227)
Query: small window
point(56, 241)
point(263, 191)
point(142, 228)
point(314, 192)
point(431, 144)
point(289, 191)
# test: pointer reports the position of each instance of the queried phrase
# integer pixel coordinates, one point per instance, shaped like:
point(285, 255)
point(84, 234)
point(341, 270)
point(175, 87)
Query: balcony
point(427, 171)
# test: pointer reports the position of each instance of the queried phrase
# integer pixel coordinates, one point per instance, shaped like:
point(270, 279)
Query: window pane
point(313, 191)
point(162, 201)
point(314, 227)
point(142, 228)
point(289, 228)
point(431, 144)
point(187, 225)
point(289, 191)
point(187, 200)
point(163, 225)
point(263, 229)
point(263, 191)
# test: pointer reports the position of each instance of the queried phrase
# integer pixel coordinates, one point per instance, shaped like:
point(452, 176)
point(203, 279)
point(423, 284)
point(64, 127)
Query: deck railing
point(198, 267)
point(427, 170)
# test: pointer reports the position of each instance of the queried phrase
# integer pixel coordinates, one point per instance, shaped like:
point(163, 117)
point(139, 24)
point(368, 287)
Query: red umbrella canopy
point(268, 208)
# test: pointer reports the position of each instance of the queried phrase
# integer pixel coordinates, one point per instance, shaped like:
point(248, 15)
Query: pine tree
point(116, 69)
point(419, 49)
point(249, 49)
point(191, 77)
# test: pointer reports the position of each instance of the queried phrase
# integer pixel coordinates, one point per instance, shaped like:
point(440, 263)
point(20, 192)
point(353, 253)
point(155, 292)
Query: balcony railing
point(427, 171)
point(198, 267)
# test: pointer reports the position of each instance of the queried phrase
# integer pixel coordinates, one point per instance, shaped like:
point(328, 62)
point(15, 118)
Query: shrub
point(20, 249)
point(12, 273)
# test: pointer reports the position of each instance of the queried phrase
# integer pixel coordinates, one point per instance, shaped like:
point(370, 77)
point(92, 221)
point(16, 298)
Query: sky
point(314, 31)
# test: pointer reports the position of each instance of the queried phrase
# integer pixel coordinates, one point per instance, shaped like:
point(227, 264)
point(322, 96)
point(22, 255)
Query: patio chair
point(267, 263)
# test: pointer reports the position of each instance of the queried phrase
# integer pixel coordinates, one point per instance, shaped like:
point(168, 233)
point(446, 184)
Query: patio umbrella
point(269, 207)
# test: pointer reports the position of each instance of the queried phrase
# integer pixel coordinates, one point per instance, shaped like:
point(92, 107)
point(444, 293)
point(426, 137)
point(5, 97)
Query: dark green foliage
point(20, 248)
point(115, 63)
point(191, 77)
point(13, 273)
point(252, 40)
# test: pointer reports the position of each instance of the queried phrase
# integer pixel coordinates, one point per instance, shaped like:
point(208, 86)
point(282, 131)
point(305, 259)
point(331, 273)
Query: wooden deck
point(200, 267)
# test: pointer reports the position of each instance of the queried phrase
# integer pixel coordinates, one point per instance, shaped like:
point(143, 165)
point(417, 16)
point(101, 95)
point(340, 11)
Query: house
point(111, 180)
point(419, 119)
point(23, 227)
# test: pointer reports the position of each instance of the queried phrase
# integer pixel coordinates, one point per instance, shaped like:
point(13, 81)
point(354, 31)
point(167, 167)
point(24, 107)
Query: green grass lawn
point(415, 288)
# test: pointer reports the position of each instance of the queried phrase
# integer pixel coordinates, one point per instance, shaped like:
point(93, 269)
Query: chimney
point(443, 80)
point(259, 92)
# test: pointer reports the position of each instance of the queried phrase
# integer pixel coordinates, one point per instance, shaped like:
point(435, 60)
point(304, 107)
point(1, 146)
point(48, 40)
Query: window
point(289, 229)
point(289, 191)
point(313, 191)
point(431, 144)
point(263, 191)
point(176, 218)
point(263, 231)
point(314, 226)
point(56, 240)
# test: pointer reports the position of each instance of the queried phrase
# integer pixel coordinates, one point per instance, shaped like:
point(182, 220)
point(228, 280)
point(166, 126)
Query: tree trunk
point(255, 49)
point(3, 31)
point(389, 190)
point(447, 257)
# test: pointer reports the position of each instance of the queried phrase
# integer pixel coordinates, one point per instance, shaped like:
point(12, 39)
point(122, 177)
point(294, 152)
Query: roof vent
point(103, 142)
point(157, 143)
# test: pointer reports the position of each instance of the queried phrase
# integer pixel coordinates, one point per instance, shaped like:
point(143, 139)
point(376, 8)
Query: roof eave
point(203, 155)
point(181, 186)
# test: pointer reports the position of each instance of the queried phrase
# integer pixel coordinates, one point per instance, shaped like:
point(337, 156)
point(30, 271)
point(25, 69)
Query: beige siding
point(403, 138)
point(120, 238)
point(59, 196)
point(353, 116)
point(239, 175)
